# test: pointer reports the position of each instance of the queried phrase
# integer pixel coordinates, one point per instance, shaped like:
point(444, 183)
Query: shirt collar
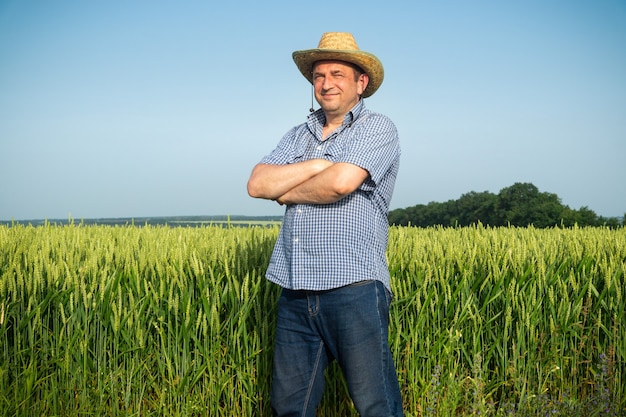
point(355, 112)
point(318, 115)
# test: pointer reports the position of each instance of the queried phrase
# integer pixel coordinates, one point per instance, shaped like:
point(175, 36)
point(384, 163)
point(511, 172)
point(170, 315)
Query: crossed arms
point(315, 181)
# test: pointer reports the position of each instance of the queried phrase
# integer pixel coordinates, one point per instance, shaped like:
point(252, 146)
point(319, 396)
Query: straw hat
point(341, 46)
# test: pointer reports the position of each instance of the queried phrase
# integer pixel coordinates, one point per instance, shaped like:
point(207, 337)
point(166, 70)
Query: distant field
point(227, 222)
point(192, 221)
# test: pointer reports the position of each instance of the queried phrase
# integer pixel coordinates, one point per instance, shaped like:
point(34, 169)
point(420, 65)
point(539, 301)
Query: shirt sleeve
point(374, 147)
point(284, 153)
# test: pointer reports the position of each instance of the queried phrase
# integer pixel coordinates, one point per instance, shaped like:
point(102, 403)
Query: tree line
point(521, 204)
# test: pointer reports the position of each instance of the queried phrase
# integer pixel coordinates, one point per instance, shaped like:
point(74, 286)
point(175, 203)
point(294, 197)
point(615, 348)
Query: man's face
point(337, 86)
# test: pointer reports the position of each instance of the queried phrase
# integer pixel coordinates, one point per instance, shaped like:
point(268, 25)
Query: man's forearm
point(312, 191)
point(272, 181)
point(327, 187)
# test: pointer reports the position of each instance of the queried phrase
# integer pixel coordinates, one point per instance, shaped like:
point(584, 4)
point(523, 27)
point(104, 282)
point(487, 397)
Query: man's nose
point(327, 83)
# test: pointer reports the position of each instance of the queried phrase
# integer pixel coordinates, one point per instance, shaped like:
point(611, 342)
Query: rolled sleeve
point(375, 148)
point(286, 152)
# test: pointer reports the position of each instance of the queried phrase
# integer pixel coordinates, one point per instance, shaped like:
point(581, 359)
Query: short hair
point(358, 71)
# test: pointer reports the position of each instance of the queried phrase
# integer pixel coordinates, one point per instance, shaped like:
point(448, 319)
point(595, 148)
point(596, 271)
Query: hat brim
point(369, 63)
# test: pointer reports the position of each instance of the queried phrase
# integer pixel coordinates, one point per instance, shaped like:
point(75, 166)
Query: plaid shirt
point(325, 246)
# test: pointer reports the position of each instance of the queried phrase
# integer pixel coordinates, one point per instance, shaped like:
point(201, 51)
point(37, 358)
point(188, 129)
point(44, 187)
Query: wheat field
point(172, 321)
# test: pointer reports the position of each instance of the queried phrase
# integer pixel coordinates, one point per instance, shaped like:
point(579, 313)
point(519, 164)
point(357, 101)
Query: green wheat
point(156, 320)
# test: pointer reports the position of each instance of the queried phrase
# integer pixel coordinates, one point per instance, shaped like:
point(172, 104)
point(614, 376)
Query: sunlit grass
point(161, 320)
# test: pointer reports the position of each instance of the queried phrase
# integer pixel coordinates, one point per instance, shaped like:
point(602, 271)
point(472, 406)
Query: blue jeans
point(349, 324)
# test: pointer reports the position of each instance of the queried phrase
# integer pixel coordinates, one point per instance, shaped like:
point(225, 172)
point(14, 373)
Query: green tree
point(474, 207)
point(518, 205)
point(522, 204)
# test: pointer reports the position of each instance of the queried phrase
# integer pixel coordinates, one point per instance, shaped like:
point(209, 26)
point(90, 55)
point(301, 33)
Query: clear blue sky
point(158, 108)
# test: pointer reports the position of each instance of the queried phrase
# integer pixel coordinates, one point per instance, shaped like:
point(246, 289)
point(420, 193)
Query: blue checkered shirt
point(325, 246)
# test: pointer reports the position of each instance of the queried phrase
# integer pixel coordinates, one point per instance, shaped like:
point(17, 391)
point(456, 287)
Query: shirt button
point(299, 210)
point(295, 240)
point(319, 148)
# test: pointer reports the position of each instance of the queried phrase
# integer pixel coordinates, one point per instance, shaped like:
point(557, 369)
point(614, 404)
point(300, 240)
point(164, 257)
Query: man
point(335, 174)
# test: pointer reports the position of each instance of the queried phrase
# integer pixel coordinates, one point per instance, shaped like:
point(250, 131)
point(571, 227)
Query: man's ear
point(364, 79)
